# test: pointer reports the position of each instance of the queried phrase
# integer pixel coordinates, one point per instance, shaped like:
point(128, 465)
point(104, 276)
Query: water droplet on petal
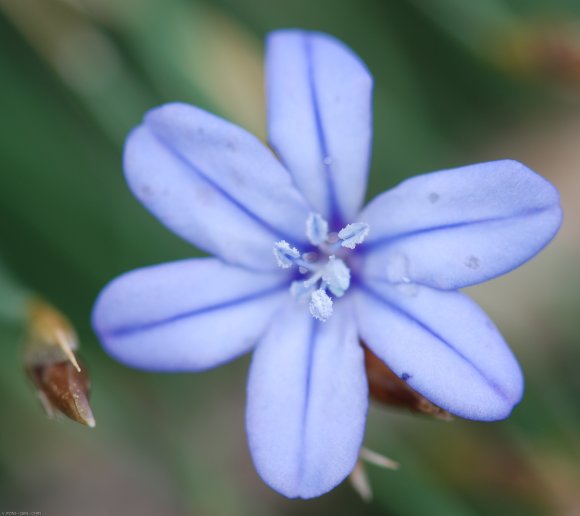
point(408, 289)
point(397, 269)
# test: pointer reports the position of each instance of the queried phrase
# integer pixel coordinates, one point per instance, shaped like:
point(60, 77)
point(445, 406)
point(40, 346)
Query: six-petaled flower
point(302, 274)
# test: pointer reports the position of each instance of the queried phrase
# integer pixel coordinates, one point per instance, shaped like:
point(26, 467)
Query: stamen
point(353, 234)
point(304, 266)
point(316, 229)
point(310, 282)
point(285, 254)
point(336, 276)
point(320, 305)
point(300, 290)
point(326, 277)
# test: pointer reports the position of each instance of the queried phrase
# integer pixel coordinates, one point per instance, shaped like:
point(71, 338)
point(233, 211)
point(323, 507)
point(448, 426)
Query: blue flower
point(302, 274)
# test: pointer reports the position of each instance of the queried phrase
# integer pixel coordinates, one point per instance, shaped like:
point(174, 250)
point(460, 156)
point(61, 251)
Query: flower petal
point(443, 345)
point(459, 227)
point(307, 401)
point(214, 184)
point(319, 118)
point(179, 316)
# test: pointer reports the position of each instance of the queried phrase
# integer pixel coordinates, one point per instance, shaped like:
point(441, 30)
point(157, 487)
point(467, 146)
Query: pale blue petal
point(307, 401)
point(443, 345)
point(319, 118)
point(214, 184)
point(189, 315)
point(459, 227)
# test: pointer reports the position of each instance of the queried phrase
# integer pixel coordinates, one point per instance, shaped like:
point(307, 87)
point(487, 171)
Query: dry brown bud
point(387, 388)
point(51, 363)
point(62, 388)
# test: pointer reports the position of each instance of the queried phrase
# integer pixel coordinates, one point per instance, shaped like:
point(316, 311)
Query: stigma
point(326, 274)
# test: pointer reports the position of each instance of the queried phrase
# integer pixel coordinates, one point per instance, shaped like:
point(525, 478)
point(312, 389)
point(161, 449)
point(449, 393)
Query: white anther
point(320, 305)
point(353, 234)
point(285, 254)
point(336, 275)
point(316, 229)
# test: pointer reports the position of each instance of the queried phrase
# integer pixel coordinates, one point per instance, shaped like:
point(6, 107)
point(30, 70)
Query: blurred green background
point(456, 82)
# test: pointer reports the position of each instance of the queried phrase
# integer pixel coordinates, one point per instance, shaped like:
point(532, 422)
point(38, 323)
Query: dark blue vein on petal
point(374, 245)
point(277, 234)
point(406, 315)
point(335, 215)
point(314, 327)
point(124, 331)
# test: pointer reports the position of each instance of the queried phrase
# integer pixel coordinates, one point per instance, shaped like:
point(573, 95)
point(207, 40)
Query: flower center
point(325, 274)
